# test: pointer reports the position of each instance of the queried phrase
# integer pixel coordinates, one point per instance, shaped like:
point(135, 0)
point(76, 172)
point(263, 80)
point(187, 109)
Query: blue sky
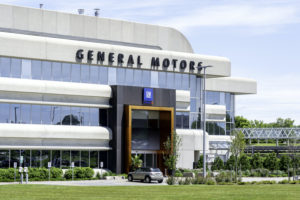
point(260, 37)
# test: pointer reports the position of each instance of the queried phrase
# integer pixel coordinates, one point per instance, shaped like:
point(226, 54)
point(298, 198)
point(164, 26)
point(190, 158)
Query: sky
point(260, 37)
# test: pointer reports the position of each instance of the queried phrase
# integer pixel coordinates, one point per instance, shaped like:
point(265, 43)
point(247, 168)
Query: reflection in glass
point(85, 159)
point(120, 76)
point(46, 70)
point(26, 69)
point(5, 67)
point(162, 78)
point(25, 114)
point(94, 159)
point(35, 158)
point(4, 114)
point(45, 158)
point(26, 157)
point(56, 158)
point(36, 114)
point(112, 76)
point(85, 117)
point(94, 116)
point(103, 158)
point(15, 68)
point(154, 79)
point(129, 77)
point(185, 120)
point(55, 115)
point(75, 157)
point(14, 157)
point(146, 78)
point(56, 71)
point(46, 114)
point(15, 113)
point(65, 115)
point(4, 158)
point(36, 69)
point(75, 116)
point(65, 162)
point(137, 75)
point(170, 80)
point(185, 81)
point(178, 82)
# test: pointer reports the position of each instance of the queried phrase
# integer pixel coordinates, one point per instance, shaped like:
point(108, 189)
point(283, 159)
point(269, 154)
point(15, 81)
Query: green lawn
point(249, 192)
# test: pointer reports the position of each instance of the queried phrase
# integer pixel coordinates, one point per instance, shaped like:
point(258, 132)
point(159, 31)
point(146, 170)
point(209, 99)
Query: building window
point(5, 67)
point(46, 70)
point(15, 68)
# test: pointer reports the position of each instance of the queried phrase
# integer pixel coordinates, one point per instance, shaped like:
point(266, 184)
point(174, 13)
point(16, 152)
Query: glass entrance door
point(149, 159)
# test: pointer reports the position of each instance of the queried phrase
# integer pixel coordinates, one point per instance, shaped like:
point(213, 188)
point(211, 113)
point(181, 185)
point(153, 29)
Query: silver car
point(147, 175)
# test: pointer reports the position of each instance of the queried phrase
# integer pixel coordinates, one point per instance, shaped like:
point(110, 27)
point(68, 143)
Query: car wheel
point(147, 179)
point(160, 181)
point(130, 178)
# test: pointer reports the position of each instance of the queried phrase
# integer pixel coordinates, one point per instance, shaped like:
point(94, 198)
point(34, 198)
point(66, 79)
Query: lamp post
point(204, 115)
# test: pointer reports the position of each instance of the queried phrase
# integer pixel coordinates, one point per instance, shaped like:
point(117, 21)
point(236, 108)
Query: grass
point(223, 192)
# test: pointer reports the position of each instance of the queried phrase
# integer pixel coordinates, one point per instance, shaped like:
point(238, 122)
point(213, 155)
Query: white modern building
point(91, 90)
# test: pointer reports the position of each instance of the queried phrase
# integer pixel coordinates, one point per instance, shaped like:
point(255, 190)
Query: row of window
point(55, 115)
point(58, 158)
point(57, 71)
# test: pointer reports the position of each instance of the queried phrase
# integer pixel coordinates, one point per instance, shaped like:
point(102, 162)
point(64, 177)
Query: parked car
point(146, 174)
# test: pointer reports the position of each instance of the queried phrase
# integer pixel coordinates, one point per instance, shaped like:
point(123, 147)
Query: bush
point(171, 180)
point(284, 162)
point(56, 172)
point(210, 181)
point(8, 174)
point(257, 161)
point(224, 177)
point(245, 162)
point(217, 164)
point(83, 172)
point(38, 173)
point(178, 173)
point(271, 162)
point(284, 182)
point(186, 181)
point(68, 174)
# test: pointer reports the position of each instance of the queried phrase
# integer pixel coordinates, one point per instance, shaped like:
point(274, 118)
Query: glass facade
point(55, 115)
point(59, 159)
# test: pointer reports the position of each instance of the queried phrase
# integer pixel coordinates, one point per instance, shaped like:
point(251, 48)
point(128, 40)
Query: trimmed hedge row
point(41, 174)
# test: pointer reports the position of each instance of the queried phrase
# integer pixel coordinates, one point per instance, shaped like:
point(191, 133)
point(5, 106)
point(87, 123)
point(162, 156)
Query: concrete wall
point(82, 27)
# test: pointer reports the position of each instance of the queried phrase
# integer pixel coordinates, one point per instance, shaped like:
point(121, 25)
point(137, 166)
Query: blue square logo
point(148, 96)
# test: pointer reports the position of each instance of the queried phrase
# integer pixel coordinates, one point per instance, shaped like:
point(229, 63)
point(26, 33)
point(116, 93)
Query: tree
point(271, 161)
point(170, 153)
point(257, 161)
point(136, 162)
point(285, 162)
point(245, 162)
point(217, 164)
point(237, 147)
point(241, 122)
point(230, 163)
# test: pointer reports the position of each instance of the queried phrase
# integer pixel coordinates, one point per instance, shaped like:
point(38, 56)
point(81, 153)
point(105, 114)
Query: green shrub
point(68, 174)
point(38, 173)
point(8, 174)
point(217, 164)
point(178, 173)
point(293, 182)
point(83, 172)
point(56, 172)
point(187, 181)
point(171, 180)
point(242, 183)
point(224, 177)
point(284, 182)
point(210, 181)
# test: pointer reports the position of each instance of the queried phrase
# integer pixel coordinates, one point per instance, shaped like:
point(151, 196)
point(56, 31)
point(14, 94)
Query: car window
point(155, 170)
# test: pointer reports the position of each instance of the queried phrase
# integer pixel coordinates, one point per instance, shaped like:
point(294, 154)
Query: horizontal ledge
point(53, 148)
point(55, 103)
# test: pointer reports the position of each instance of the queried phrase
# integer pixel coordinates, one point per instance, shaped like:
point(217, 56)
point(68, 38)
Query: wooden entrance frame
point(166, 115)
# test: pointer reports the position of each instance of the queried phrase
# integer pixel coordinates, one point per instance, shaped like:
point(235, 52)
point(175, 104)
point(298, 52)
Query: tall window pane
point(15, 68)
point(112, 76)
point(121, 76)
point(25, 114)
point(154, 79)
point(26, 69)
point(75, 116)
point(85, 116)
point(75, 73)
point(170, 80)
point(94, 73)
point(94, 159)
point(162, 79)
point(46, 114)
point(36, 69)
point(129, 77)
point(178, 82)
point(85, 159)
point(65, 115)
point(146, 78)
point(4, 114)
point(65, 162)
point(4, 158)
point(75, 157)
point(5, 67)
point(35, 158)
point(85, 74)
point(103, 75)
point(56, 71)
point(45, 158)
point(36, 114)
point(14, 157)
point(66, 72)
point(137, 75)
point(15, 113)
point(55, 115)
point(103, 158)
point(56, 158)
point(185, 82)
point(94, 116)
point(46, 70)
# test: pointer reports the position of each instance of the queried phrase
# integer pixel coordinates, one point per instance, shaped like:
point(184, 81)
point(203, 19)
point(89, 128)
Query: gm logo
point(148, 96)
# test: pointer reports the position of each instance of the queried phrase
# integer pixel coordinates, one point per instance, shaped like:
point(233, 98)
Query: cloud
point(236, 15)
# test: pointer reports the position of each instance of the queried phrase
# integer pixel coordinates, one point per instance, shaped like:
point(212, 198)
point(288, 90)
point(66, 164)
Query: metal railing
point(270, 133)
